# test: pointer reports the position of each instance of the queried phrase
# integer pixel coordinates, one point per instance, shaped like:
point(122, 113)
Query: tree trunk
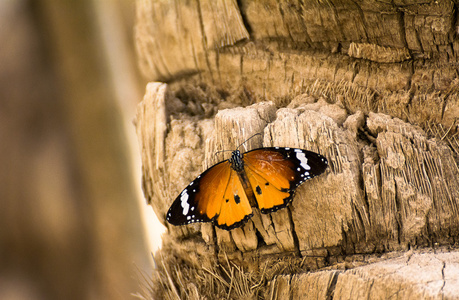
point(372, 86)
point(69, 219)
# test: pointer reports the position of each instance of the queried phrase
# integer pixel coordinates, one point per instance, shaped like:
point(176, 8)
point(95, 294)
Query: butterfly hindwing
point(269, 197)
point(274, 174)
point(235, 208)
point(216, 195)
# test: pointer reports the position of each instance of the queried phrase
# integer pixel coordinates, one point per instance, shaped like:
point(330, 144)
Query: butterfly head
point(236, 161)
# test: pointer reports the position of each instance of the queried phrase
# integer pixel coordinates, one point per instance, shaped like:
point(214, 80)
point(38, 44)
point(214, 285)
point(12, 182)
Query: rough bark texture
point(372, 86)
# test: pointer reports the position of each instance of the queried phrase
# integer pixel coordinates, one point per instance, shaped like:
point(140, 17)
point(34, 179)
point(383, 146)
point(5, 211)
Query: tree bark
point(372, 86)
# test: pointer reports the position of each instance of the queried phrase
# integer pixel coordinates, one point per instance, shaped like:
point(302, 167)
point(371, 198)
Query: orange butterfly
point(226, 192)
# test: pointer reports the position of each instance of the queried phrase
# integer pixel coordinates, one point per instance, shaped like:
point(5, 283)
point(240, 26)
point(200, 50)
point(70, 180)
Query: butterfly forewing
point(201, 200)
point(275, 173)
point(216, 195)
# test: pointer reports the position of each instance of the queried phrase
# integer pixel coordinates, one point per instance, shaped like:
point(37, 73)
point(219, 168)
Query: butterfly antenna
point(220, 151)
point(248, 139)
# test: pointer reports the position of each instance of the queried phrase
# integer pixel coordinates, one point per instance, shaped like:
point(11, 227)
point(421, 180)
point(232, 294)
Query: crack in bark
point(204, 40)
point(290, 294)
point(266, 121)
point(402, 27)
point(217, 63)
point(214, 237)
point(241, 65)
point(244, 17)
point(360, 216)
point(332, 286)
point(411, 91)
point(410, 255)
point(296, 241)
point(362, 19)
point(443, 277)
point(287, 27)
point(336, 20)
point(370, 287)
point(195, 59)
point(398, 216)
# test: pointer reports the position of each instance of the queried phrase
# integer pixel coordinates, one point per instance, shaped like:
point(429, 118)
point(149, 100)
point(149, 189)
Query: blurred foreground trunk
point(69, 221)
point(373, 86)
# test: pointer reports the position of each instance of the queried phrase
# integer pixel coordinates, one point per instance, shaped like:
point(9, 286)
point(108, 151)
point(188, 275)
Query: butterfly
point(225, 193)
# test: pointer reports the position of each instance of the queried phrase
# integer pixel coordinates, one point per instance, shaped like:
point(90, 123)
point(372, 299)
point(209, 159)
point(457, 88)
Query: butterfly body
point(225, 193)
point(237, 164)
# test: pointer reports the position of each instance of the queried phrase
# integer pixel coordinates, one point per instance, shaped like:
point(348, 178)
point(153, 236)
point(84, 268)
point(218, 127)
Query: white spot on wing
point(303, 160)
point(184, 201)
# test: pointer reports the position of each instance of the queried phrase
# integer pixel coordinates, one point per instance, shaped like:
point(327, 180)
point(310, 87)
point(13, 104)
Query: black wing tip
point(321, 165)
point(181, 222)
point(178, 219)
point(235, 225)
point(184, 224)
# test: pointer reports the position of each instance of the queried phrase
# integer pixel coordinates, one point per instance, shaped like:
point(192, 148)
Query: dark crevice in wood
point(365, 136)
point(216, 247)
point(217, 64)
point(244, 17)
point(401, 19)
point(336, 21)
point(331, 287)
point(411, 89)
point(347, 245)
point(241, 65)
point(261, 241)
point(443, 276)
point(204, 41)
point(398, 216)
point(296, 241)
point(358, 213)
point(362, 18)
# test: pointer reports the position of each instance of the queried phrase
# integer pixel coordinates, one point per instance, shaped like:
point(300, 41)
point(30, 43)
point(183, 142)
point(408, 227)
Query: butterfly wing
point(274, 174)
point(216, 195)
point(235, 209)
point(198, 201)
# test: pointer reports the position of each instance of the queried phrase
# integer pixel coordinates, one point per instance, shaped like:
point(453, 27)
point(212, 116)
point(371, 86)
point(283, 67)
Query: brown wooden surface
point(372, 86)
